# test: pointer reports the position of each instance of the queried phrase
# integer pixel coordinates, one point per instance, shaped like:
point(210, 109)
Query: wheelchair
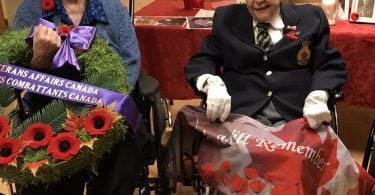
point(187, 146)
point(153, 108)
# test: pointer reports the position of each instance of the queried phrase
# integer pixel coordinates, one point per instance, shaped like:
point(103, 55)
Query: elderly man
point(270, 61)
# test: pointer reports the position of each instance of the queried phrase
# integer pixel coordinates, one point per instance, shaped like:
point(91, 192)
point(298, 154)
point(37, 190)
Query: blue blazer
point(284, 74)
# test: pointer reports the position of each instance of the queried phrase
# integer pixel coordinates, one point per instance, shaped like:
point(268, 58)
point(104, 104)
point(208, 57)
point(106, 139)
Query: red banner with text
point(242, 156)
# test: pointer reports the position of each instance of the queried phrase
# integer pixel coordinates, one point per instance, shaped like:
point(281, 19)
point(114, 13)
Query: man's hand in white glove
point(218, 100)
point(315, 109)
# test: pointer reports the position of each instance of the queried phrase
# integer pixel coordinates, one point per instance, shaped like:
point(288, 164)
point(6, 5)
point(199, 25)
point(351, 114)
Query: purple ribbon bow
point(80, 38)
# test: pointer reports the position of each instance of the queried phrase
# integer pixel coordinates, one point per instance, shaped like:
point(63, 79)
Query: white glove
point(218, 100)
point(315, 109)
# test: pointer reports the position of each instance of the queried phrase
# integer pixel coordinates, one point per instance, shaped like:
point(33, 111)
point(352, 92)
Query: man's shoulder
point(231, 9)
point(302, 9)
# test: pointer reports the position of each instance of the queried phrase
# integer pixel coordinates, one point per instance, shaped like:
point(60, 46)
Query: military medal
point(304, 53)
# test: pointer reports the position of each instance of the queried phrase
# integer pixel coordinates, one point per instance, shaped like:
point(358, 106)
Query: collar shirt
point(275, 30)
point(93, 14)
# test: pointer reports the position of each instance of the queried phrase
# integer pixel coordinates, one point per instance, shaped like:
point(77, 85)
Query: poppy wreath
point(62, 138)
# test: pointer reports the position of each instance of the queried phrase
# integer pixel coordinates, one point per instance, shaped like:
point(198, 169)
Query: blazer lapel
point(243, 26)
point(290, 18)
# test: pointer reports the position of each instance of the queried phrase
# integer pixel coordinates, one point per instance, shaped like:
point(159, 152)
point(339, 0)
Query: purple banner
point(65, 89)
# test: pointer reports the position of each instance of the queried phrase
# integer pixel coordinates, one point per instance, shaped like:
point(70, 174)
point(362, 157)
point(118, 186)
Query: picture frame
point(344, 11)
point(194, 22)
point(362, 11)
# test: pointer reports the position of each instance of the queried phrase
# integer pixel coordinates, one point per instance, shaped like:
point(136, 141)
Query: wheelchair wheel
point(161, 114)
point(368, 161)
point(166, 103)
point(371, 168)
point(144, 185)
point(202, 188)
point(154, 115)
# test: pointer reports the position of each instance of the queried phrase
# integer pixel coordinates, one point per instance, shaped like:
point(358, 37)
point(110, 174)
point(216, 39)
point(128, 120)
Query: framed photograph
point(362, 11)
point(160, 21)
point(194, 22)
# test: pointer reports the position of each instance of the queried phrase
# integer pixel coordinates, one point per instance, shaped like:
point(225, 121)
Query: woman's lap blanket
point(242, 156)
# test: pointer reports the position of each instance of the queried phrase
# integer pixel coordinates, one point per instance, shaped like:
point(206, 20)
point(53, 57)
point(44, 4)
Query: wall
point(10, 7)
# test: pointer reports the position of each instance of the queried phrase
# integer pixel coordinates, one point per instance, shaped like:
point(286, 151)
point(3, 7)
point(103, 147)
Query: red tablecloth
point(165, 50)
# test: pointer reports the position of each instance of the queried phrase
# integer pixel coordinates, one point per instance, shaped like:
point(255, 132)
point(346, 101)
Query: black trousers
point(118, 171)
point(73, 185)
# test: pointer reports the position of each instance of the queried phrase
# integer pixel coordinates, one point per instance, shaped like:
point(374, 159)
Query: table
point(165, 50)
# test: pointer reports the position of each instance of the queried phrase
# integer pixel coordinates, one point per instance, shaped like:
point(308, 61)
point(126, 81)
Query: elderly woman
point(113, 23)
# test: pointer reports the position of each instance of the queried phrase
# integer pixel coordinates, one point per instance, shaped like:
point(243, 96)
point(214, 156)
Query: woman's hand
point(46, 42)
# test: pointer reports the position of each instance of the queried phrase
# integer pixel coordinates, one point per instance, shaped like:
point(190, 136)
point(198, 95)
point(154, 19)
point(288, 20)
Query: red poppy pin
point(48, 5)
point(292, 33)
point(64, 30)
point(354, 16)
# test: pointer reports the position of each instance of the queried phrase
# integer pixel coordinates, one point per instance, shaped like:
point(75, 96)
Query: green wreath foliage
point(101, 67)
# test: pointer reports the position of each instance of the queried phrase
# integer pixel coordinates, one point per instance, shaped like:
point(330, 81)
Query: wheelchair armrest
point(334, 97)
point(147, 85)
point(337, 95)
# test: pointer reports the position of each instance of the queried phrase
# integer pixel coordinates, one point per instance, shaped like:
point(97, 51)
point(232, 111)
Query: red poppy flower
point(257, 186)
point(98, 122)
point(239, 184)
point(64, 30)
point(37, 134)
point(208, 170)
point(225, 166)
point(292, 36)
point(354, 16)
point(4, 126)
point(250, 173)
point(48, 5)
point(64, 146)
point(9, 149)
